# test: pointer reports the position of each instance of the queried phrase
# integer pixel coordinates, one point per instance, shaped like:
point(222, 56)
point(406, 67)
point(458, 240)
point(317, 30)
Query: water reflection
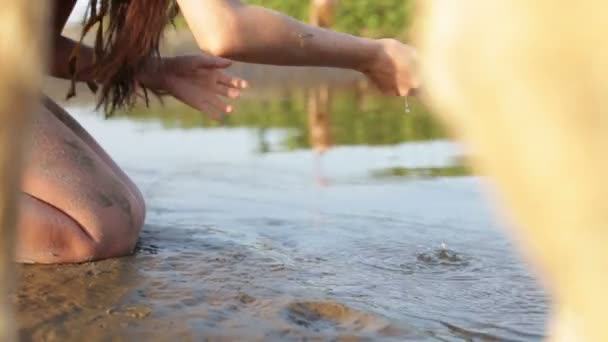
point(319, 125)
point(325, 117)
point(320, 135)
point(422, 172)
point(240, 243)
point(356, 118)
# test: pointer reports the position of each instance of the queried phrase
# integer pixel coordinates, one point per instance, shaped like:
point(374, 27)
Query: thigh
point(75, 127)
point(64, 173)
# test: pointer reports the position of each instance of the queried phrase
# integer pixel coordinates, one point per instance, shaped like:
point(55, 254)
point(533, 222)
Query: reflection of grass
point(382, 122)
point(422, 172)
point(354, 120)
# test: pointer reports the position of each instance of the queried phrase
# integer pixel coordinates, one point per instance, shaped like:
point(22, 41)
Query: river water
point(310, 214)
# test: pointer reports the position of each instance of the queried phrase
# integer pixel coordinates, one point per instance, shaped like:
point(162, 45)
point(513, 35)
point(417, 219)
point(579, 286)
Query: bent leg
point(75, 206)
point(48, 235)
point(73, 125)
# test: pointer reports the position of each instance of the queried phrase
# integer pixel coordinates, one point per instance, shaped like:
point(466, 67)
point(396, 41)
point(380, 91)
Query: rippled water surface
point(251, 235)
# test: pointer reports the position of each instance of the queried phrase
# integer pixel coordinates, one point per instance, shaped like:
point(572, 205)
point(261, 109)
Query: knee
point(79, 251)
point(59, 225)
point(56, 238)
point(140, 209)
point(111, 232)
point(68, 246)
point(91, 250)
point(116, 241)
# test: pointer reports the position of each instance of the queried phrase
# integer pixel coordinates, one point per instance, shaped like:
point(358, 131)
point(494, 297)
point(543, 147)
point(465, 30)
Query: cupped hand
point(393, 68)
point(197, 80)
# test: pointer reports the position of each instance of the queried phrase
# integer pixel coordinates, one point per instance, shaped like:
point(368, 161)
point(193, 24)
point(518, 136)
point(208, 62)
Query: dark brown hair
point(127, 38)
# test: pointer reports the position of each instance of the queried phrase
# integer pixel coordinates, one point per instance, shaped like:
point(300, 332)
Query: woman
point(77, 205)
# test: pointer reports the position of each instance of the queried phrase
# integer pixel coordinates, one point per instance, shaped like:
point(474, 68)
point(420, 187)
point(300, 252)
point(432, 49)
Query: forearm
point(60, 60)
point(60, 67)
point(62, 47)
point(258, 35)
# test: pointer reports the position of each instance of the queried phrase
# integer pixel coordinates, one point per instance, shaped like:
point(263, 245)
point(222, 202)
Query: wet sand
point(196, 291)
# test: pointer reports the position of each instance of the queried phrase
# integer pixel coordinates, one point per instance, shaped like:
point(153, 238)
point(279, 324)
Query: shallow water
point(251, 235)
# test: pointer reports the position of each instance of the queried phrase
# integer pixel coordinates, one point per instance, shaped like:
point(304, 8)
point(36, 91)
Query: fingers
point(404, 92)
point(209, 110)
point(204, 89)
point(233, 82)
point(228, 92)
point(207, 101)
point(404, 89)
point(216, 103)
point(394, 90)
point(213, 109)
point(222, 78)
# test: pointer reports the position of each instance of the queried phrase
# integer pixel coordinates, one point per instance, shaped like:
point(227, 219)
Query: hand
point(392, 69)
point(196, 80)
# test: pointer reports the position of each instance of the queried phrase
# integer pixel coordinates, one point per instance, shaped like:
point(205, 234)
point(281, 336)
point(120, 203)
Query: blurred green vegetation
point(371, 18)
point(353, 119)
point(422, 172)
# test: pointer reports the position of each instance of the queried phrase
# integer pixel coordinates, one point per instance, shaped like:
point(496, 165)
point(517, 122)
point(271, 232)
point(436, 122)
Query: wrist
point(371, 55)
point(153, 75)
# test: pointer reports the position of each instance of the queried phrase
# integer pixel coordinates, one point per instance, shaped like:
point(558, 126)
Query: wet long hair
point(128, 34)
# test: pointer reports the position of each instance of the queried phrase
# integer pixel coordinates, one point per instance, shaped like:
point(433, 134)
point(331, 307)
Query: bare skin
point(77, 205)
point(232, 29)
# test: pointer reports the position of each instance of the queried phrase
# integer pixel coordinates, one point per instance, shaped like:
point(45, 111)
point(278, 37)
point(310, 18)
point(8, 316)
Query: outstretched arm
point(198, 80)
point(232, 29)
